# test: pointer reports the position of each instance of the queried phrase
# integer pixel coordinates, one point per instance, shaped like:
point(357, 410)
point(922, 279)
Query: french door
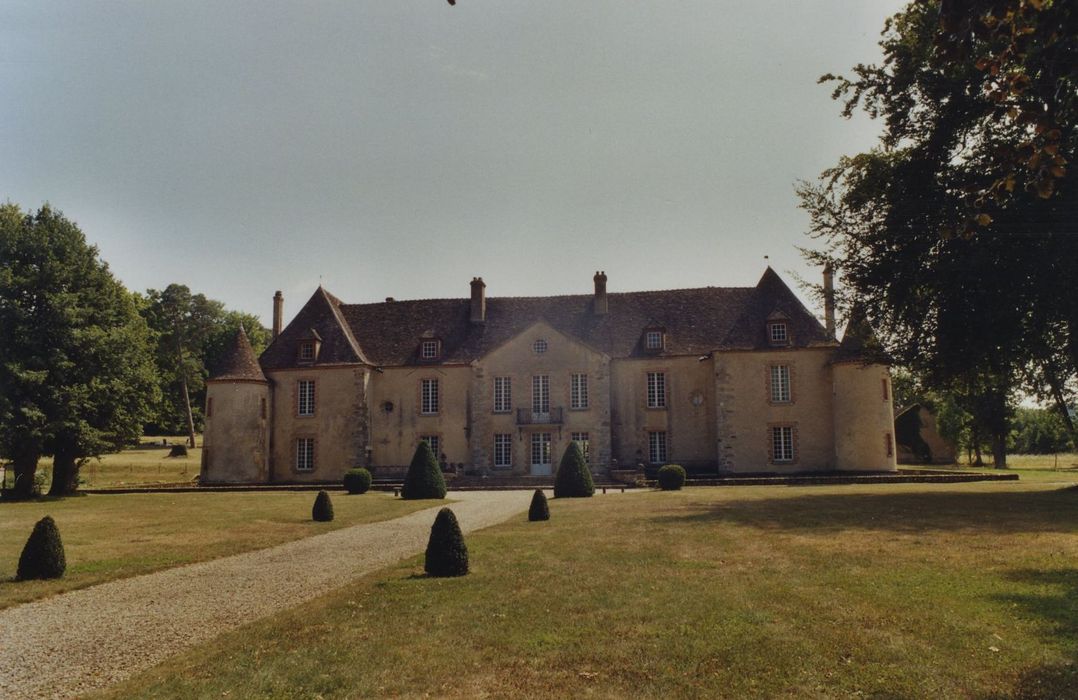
point(541, 454)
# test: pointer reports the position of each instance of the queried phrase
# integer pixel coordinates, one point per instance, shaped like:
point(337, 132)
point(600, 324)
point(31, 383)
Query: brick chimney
point(479, 300)
point(278, 313)
point(600, 306)
point(829, 299)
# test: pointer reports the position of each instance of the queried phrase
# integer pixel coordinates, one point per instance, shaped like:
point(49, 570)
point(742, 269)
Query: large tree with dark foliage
point(958, 231)
point(75, 362)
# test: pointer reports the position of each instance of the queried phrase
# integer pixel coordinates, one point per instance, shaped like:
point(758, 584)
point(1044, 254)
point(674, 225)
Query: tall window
point(540, 448)
point(657, 446)
point(578, 391)
point(435, 443)
point(305, 394)
point(889, 444)
point(656, 390)
point(886, 389)
point(777, 333)
point(429, 349)
point(780, 384)
point(541, 393)
point(503, 395)
point(503, 450)
point(304, 454)
point(583, 439)
point(428, 389)
point(782, 443)
point(653, 340)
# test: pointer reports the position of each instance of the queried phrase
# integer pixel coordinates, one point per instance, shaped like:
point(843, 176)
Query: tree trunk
point(25, 466)
point(190, 416)
point(999, 450)
point(65, 474)
point(979, 462)
point(1056, 388)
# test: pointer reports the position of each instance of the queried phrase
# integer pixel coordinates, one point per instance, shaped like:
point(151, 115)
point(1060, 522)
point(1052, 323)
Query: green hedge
point(424, 478)
point(573, 479)
point(357, 480)
point(672, 477)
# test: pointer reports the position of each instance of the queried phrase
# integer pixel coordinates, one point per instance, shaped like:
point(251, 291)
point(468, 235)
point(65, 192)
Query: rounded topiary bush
point(672, 477)
point(573, 479)
point(424, 478)
point(323, 508)
point(539, 509)
point(43, 555)
point(447, 555)
point(357, 480)
point(178, 451)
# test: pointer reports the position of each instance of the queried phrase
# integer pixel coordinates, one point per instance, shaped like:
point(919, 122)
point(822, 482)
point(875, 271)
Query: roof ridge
point(550, 296)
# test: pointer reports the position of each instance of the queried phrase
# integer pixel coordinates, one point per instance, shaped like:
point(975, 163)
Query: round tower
point(235, 445)
point(863, 411)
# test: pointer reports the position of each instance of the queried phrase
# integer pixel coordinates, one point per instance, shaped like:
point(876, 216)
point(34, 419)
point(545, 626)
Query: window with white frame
point(305, 397)
point(306, 351)
point(435, 443)
point(503, 450)
point(578, 391)
point(428, 389)
point(540, 448)
point(304, 454)
point(541, 393)
point(428, 350)
point(780, 384)
point(503, 395)
point(653, 340)
point(657, 446)
point(656, 390)
point(777, 333)
point(782, 443)
point(539, 346)
point(584, 440)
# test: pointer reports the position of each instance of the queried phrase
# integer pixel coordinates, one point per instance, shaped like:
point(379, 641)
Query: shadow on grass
point(1054, 598)
point(900, 512)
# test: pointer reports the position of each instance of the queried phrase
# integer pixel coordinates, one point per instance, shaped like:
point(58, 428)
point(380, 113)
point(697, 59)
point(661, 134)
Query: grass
point(108, 537)
point(1061, 468)
point(913, 590)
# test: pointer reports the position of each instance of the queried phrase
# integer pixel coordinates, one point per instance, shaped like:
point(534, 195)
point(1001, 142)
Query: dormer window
point(653, 340)
point(430, 350)
point(778, 333)
point(306, 351)
point(307, 347)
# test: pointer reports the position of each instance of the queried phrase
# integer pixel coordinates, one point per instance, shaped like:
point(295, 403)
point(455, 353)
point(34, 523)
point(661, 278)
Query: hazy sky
point(401, 148)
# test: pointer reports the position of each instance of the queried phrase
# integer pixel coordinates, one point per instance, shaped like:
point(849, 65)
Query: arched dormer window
point(308, 346)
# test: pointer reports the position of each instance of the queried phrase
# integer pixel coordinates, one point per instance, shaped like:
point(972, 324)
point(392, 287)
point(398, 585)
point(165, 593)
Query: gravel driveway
point(82, 640)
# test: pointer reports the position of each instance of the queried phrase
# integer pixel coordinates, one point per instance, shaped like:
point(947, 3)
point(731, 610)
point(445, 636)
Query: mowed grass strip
point(860, 591)
point(114, 536)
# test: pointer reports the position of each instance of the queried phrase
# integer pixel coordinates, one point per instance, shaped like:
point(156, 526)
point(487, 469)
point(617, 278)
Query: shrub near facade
point(323, 508)
point(424, 478)
point(357, 480)
point(43, 555)
point(539, 509)
point(672, 477)
point(573, 479)
point(447, 555)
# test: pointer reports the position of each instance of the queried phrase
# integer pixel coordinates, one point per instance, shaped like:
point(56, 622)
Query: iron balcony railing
point(528, 417)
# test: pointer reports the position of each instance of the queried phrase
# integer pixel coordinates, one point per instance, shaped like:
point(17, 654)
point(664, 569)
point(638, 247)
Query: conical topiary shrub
point(43, 555)
point(323, 508)
point(672, 477)
point(539, 509)
point(573, 479)
point(357, 480)
point(424, 478)
point(447, 555)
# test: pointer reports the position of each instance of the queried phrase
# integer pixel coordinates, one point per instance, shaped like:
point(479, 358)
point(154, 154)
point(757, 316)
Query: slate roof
point(859, 342)
point(696, 322)
point(239, 363)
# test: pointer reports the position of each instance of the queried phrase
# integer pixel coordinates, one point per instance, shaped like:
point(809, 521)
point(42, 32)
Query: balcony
point(528, 417)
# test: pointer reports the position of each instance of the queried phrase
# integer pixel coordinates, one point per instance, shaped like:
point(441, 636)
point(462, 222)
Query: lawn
point(114, 536)
point(895, 591)
point(1061, 468)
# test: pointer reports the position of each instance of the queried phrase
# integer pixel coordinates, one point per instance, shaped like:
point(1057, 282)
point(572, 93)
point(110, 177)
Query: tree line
point(958, 231)
point(87, 366)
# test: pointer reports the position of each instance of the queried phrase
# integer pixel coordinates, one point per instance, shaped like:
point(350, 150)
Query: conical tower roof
point(239, 363)
point(859, 343)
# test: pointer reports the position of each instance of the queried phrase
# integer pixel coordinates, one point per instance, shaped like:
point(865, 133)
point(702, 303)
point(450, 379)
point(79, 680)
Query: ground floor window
point(304, 454)
point(503, 450)
point(540, 448)
point(583, 440)
point(782, 443)
point(657, 447)
point(435, 443)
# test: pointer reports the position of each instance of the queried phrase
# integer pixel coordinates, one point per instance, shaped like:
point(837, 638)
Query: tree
point(573, 479)
point(539, 509)
point(74, 352)
point(192, 333)
point(446, 554)
point(424, 478)
point(957, 229)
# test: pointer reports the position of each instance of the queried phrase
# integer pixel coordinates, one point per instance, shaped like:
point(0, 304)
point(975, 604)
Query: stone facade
point(728, 380)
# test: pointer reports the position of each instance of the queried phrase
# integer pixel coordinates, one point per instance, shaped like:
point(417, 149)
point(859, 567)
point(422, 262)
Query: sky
point(401, 148)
